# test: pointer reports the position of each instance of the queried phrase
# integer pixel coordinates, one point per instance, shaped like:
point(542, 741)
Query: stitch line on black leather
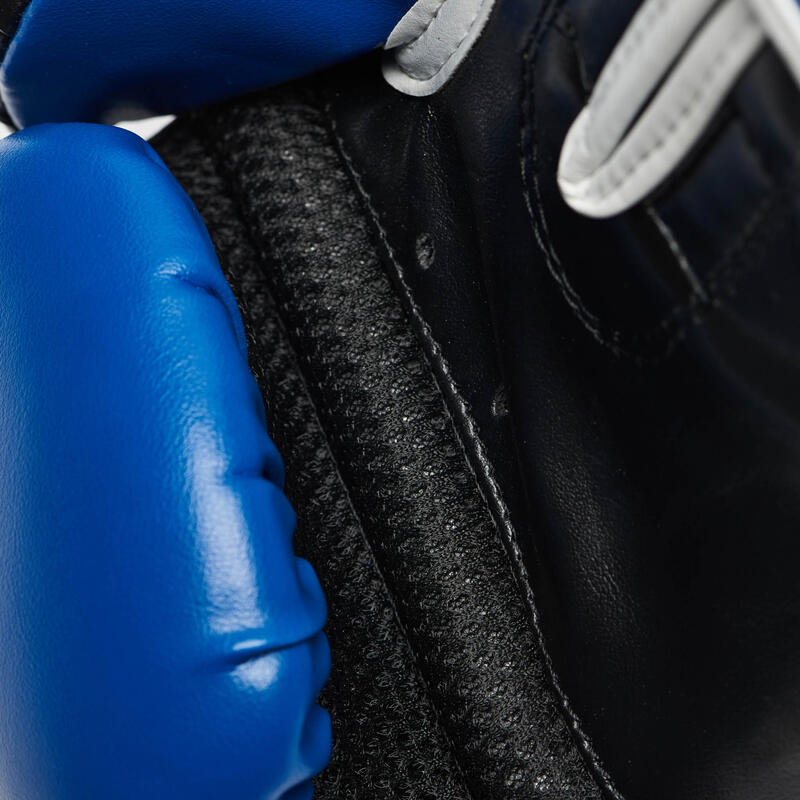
point(698, 290)
point(770, 218)
point(488, 484)
point(245, 239)
point(545, 20)
point(528, 146)
point(568, 29)
point(619, 343)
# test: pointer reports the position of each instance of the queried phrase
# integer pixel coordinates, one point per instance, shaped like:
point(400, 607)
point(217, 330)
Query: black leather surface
point(635, 383)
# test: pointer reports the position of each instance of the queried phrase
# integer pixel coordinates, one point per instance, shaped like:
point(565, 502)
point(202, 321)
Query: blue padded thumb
point(106, 60)
point(158, 638)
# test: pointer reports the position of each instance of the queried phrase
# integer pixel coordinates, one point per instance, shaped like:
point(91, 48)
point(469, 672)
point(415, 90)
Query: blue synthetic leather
point(158, 638)
point(105, 60)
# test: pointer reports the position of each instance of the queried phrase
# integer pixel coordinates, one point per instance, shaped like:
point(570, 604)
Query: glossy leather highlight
point(73, 60)
point(158, 638)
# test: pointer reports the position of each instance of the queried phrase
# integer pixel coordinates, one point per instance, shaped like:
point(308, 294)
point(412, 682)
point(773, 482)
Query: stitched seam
point(452, 54)
point(696, 298)
point(500, 513)
point(708, 81)
point(218, 158)
point(528, 164)
point(415, 313)
point(722, 278)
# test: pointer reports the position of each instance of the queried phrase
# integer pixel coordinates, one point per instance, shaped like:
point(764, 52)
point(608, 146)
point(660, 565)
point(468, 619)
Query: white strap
point(621, 147)
point(431, 41)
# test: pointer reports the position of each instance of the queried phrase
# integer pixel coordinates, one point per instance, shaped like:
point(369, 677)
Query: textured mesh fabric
point(439, 688)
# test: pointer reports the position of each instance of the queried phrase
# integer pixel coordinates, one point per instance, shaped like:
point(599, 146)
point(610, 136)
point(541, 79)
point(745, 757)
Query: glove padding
point(158, 638)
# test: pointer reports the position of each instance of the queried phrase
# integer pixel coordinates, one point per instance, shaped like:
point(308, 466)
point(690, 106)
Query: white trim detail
point(659, 91)
point(431, 41)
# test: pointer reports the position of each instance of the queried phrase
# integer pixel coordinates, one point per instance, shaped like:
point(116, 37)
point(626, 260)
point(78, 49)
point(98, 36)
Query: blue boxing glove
point(106, 60)
point(158, 638)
